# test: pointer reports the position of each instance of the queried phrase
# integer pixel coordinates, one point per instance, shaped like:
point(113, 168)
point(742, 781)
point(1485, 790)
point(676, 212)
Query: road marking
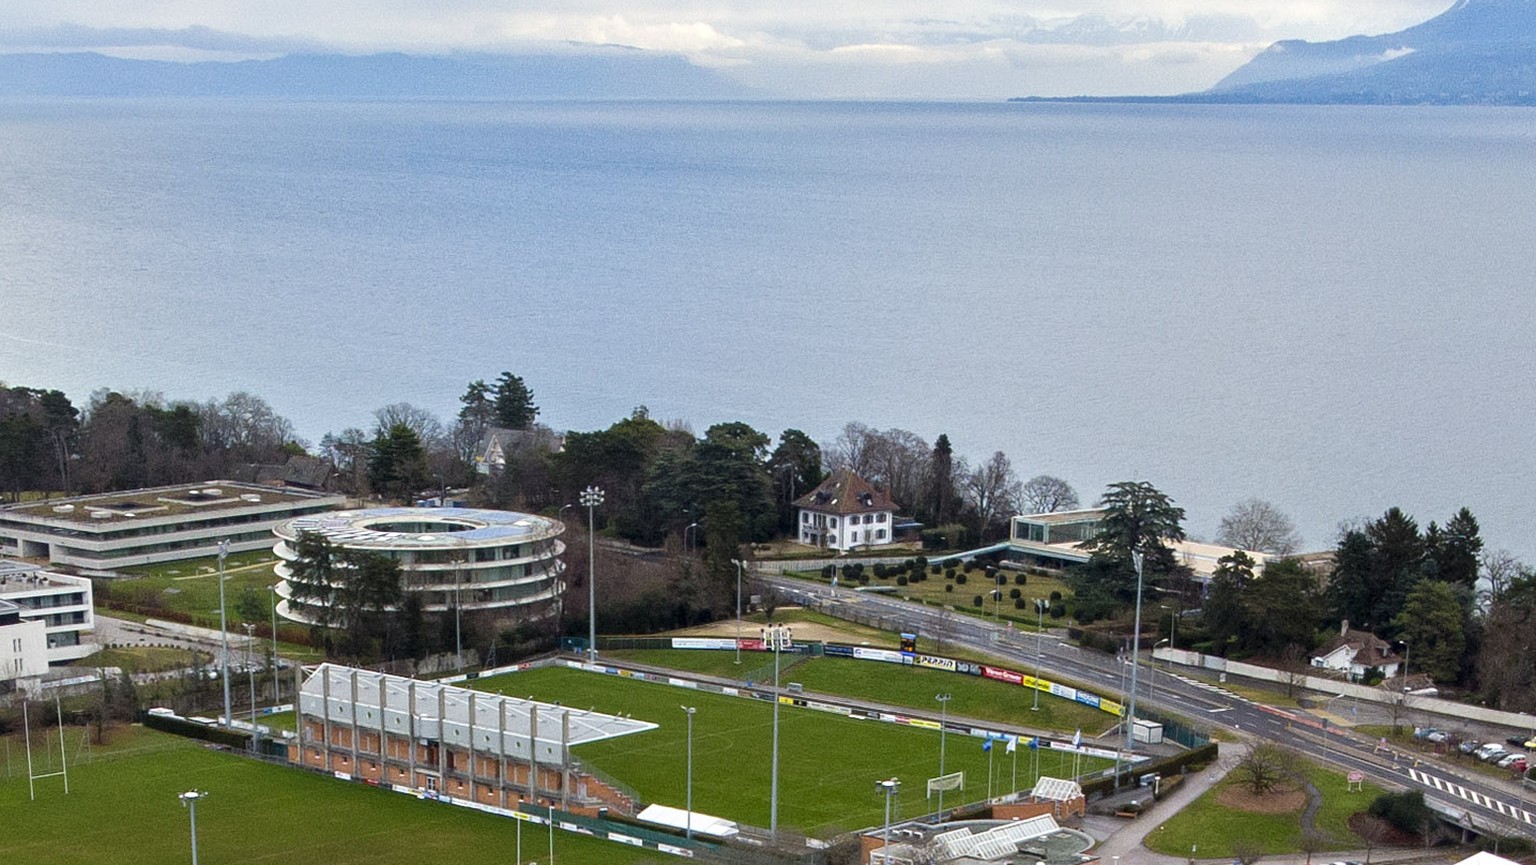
point(1222, 709)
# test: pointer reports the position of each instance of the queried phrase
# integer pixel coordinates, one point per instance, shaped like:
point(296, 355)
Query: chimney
point(1343, 627)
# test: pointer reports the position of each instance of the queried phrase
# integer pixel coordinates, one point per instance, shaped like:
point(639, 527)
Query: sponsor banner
point(681, 683)
point(837, 650)
point(1111, 707)
point(920, 722)
point(1002, 675)
point(675, 850)
point(702, 643)
point(935, 663)
point(968, 668)
point(576, 827)
point(886, 655)
point(1088, 699)
point(827, 707)
point(753, 645)
point(625, 839)
point(342, 775)
point(1063, 691)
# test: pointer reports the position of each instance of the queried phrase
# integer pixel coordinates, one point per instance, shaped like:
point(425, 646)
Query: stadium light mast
point(591, 497)
point(224, 632)
point(889, 787)
point(943, 723)
point(250, 672)
point(1039, 632)
point(1139, 560)
point(739, 565)
point(778, 634)
point(688, 821)
point(189, 801)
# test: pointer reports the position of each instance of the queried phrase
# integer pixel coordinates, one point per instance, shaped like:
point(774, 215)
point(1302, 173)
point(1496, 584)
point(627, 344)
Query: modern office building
point(99, 534)
point(455, 558)
point(60, 602)
point(23, 649)
point(446, 741)
point(845, 511)
point(1055, 540)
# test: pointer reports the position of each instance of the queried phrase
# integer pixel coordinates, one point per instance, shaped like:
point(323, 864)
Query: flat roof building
point(1055, 540)
point(101, 533)
point(466, 558)
point(62, 603)
point(23, 649)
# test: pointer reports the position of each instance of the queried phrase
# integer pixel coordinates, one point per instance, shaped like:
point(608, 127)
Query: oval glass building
point(503, 564)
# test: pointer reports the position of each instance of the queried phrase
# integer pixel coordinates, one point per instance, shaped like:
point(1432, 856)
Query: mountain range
point(612, 74)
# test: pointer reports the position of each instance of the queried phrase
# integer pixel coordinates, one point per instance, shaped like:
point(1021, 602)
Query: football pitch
point(123, 808)
point(828, 764)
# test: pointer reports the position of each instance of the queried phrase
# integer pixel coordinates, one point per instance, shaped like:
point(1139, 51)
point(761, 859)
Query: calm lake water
point(1331, 308)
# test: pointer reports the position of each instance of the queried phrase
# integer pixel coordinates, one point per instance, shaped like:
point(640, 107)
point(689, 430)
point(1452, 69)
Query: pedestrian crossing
point(1445, 786)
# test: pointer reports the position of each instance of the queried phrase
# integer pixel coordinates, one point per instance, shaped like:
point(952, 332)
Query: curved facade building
point(497, 561)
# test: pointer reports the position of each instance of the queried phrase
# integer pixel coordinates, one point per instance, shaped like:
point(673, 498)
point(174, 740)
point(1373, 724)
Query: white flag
point(1077, 738)
point(1013, 744)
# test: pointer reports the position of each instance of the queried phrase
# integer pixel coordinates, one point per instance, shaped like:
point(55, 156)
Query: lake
point(1328, 307)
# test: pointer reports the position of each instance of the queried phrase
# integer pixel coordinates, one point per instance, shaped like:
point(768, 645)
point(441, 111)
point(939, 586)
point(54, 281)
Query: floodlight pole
point(1130, 722)
point(277, 693)
point(943, 725)
point(591, 497)
point(189, 801)
point(776, 633)
point(688, 821)
point(224, 632)
point(250, 672)
point(889, 788)
point(458, 617)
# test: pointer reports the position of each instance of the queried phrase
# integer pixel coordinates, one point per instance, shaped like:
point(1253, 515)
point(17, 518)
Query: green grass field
point(932, 591)
point(1215, 827)
point(828, 765)
point(122, 808)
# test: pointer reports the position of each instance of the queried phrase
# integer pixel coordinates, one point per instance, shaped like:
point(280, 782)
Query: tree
point(312, 576)
point(423, 423)
point(1430, 622)
point(1258, 526)
point(1045, 494)
point(795, 469)
point(1137, 518)
point(397, 465)
point(1225, 614)
point(1281, 609)
point(245, 427)
point(1452, 553)
point(1264, 767)
point(1506, 660)
point(941, 504)
point(514, 402)
point(991, 491)
point(1500, 569)
point(479, 405)
point(1374, 568)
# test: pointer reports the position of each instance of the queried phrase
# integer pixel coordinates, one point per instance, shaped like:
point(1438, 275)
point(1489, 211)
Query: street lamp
point(189, 801)
point(224, 631)
point(689, 819)
point(1039, 633)
point(277, 696)
point(591, 497)
point(1130, 722)
point(943, 723)
point(739, 564)
point(691, 527)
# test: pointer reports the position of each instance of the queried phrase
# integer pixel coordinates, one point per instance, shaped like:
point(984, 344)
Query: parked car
point(1437, 736)
point(1510, 761)
point(1423, 732)
point(1489, 750)
point(1494, 755)
point(1517, 741)
point(1469, 746)
point(1531, 742)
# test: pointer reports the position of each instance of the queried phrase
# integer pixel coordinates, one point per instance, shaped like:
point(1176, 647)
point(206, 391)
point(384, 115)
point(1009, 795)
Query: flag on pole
point(1034, 744)
point(986, 744)
point(1077, 738)
point(1013, 744)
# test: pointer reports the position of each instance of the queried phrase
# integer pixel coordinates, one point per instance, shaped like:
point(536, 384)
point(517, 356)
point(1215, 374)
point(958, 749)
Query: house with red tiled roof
point(845, 512)
point(1355, 653)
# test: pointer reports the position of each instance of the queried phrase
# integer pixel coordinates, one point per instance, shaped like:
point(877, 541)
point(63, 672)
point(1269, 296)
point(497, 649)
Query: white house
point(1355, 653)
point(845, 512)
point(23, 649)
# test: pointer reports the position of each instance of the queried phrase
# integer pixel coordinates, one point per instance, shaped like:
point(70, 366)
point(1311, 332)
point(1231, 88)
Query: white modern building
point(99, 534)
point(60, 603)
point(23, 649)
point(1055, 540)
point(454, 558)
point(845, 511)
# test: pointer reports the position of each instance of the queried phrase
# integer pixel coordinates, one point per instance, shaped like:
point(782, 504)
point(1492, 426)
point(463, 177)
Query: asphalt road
point(1487, 803)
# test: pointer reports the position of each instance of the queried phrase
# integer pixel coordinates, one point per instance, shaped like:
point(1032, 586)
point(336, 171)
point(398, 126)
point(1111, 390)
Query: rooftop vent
point(63, 509)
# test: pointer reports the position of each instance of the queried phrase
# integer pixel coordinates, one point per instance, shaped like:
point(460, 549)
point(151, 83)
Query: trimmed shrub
point(969, 565)
point(935, 567)
point(1020, 579)
point(959, 578)
point(1018, 603)
point(976, 601)
point(1015, 594)
point(949, 587)
point(901, 580)
point(1058, 610)
point(1002, 579)
point(1055, 595)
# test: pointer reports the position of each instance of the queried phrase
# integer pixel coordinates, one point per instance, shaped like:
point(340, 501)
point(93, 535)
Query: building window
point(880, 518)
point(832, 522)
point(869, 518)
point(880, 534)
point(853, 537)
point(805, 517)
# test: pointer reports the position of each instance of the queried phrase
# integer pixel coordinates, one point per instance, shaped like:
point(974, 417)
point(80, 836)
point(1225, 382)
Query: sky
point(956, 49)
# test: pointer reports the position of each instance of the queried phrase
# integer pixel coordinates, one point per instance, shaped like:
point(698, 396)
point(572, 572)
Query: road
point(1488, 803)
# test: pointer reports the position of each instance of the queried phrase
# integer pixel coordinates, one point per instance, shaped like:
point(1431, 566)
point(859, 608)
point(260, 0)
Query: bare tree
point(1044, 494)
point(1500, 569)
point(899, 461)
point(1313, 841)
point(245, 425)
point(1247, 851)
point(422, 422)
point(851, 449)
point(992, 490)
point(1258, 526)
point(1265, 767)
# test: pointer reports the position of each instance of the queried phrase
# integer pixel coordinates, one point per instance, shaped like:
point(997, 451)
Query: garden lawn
point(122, 808)
point(1215, 827)
point(828, 764)
point(932, 591)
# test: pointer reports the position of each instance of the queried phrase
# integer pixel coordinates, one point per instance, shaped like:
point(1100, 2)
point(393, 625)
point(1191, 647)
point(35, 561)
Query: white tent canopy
point(677, 818)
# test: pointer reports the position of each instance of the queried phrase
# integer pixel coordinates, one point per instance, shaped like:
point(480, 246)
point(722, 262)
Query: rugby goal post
point(952, 781)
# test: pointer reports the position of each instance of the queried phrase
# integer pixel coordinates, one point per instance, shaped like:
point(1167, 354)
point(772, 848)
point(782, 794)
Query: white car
point(1488, 750)
point(1509, 760)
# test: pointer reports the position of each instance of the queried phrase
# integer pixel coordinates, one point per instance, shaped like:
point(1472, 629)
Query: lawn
point(1215, 827)
point(122, 808)
point(937, 589)
point(143, 659)
point(828, 764)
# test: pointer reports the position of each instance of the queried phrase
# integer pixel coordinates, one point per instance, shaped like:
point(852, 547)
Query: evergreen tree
point(1431, 624)
point(514, 402)
point(397, 466)
point(1452, 553)
point(941, 504)
point(1137, 518)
